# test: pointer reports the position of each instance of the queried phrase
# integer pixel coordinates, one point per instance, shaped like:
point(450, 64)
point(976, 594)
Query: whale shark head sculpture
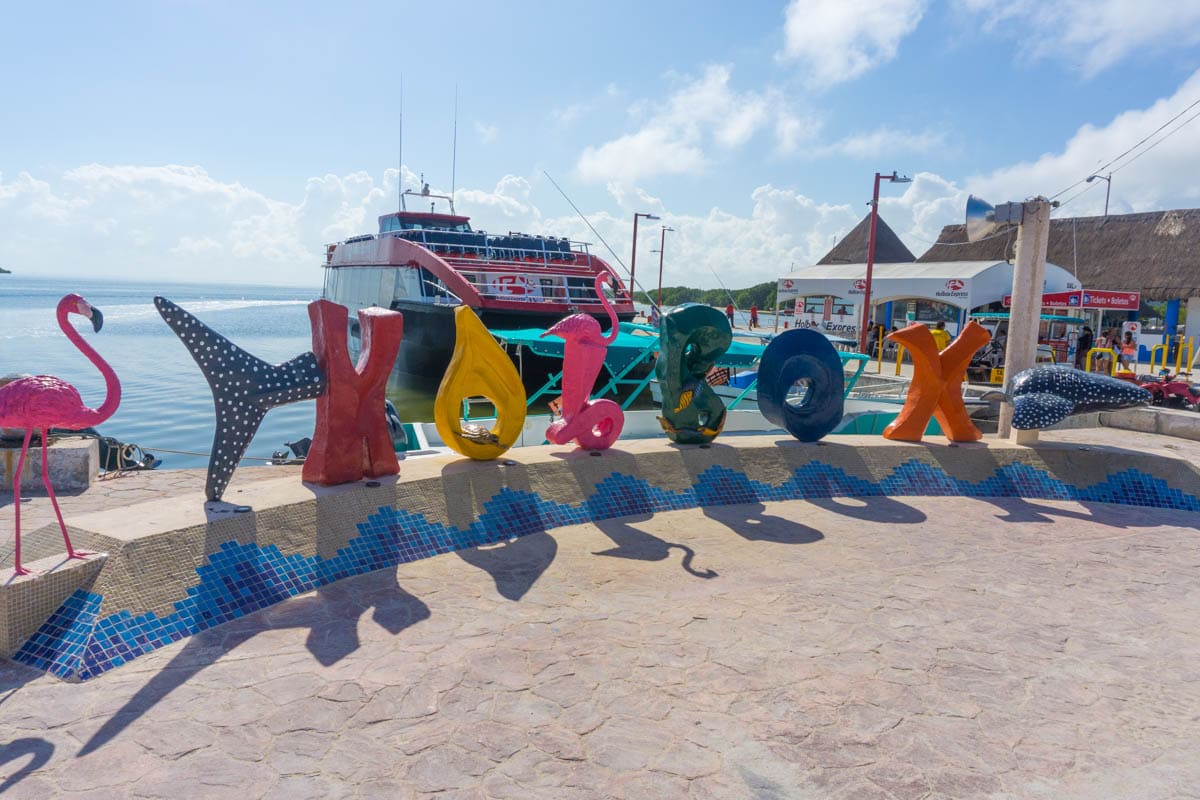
point(1042, 396)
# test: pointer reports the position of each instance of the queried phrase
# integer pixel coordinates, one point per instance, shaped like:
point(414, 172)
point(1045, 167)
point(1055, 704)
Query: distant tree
point(762, 295)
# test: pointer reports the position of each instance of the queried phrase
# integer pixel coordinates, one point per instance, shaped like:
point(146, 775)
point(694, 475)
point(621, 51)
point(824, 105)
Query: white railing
point(479, 244)
point(561, 292)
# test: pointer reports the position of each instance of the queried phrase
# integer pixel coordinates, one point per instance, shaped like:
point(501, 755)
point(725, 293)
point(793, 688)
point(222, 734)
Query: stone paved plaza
point(876, 648)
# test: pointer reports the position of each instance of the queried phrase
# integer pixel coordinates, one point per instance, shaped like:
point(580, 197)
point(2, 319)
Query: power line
point(1156, 144)
point(1169, 134)
point(1131, 149)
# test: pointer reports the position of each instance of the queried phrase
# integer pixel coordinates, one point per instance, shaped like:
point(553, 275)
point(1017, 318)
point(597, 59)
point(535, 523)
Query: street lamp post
point(633, 257)
point(661, 246)
point(866, 315)
point(1107, 188)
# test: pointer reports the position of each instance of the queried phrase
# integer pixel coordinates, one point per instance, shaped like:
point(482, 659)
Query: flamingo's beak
point(97, 319)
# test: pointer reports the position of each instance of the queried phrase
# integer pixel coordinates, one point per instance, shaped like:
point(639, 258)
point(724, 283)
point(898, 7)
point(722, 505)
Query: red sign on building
point(1099, 298)
point(1088, 298)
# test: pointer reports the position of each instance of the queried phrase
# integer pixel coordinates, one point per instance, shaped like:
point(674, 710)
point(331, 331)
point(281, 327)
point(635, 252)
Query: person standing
point(729, 314)
point(940, 335)
point(1082, 346)
point(1104, 341)
point(1128, 352)
point(753, 316)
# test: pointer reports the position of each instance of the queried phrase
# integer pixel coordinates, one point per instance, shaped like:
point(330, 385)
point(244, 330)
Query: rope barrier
point(204, 455)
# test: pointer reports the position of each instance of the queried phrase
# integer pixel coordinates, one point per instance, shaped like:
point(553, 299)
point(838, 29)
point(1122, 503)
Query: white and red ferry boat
point(425, 264)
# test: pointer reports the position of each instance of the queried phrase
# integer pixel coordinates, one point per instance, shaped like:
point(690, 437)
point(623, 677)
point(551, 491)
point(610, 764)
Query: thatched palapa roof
point(1155, 253)
point(852, 249)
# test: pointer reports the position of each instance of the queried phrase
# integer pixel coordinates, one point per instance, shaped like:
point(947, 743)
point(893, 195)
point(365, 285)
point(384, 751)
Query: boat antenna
point(454, 151)
point(596, 233)
point(400, 171)
point(729, 293)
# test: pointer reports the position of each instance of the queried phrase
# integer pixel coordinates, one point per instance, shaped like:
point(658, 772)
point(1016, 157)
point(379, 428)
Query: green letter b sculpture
point(693, 337)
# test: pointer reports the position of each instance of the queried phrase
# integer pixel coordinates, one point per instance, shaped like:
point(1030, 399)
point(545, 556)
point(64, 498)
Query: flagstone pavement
point(875, 648)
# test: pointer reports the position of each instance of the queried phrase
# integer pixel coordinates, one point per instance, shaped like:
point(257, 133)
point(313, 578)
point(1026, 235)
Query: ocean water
point(165, 401)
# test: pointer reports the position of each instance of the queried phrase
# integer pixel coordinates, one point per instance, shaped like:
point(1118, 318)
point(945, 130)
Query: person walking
point(1082, 346)
point(729, 314)
point(753, 316)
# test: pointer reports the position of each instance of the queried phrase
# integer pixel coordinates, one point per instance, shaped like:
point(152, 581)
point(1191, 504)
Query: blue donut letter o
point(802, 354)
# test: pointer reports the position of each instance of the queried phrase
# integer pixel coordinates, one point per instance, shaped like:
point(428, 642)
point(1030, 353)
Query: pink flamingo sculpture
point(594, 424)
point(43, 402)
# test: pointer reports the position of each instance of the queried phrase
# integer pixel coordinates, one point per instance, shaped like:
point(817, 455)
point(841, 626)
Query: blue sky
point(229, 141)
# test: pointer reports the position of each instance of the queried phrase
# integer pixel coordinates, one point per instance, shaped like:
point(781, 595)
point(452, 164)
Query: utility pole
point(1029, 274)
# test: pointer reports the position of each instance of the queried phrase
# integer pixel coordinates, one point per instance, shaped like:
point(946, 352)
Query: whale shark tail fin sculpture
point(244, 388)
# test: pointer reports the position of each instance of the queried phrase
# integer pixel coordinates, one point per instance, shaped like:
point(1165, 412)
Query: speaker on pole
point(984, 219)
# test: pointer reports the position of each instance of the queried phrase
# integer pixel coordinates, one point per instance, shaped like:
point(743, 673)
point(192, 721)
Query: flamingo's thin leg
point(54, 500)
point(17, 568)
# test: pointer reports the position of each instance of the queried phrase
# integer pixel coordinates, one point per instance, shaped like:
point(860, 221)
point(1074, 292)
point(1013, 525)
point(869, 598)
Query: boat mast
point(454, 151)
point(400, 171)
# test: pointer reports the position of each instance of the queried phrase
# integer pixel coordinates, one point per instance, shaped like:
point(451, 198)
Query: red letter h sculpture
point(351, 440)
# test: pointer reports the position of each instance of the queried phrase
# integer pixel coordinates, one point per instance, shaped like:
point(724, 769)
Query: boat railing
point(540, 287)
point(511, 249)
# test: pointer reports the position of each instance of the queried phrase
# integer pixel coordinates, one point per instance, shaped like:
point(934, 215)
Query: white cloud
point(1163, 177)
point(487, 133)
point(839, 40)
point(792, 131)
point(884, 142)
point(1095, 34)
point(181, 223)
point(650, 151)
point(674, 136)
point(568, 115)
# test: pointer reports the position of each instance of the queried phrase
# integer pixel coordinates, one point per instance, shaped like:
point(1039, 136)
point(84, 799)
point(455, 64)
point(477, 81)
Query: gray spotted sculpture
point(244, 389)
point(1043, 396)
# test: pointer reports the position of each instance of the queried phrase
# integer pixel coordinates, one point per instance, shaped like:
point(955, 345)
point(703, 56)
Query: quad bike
point(1170, 391)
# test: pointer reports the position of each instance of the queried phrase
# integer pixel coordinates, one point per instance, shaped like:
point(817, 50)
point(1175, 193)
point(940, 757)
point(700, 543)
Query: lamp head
point(981, 218)
point(1091, 178)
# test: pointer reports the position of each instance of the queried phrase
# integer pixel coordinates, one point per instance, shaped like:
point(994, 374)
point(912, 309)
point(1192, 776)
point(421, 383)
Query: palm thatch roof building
point(852, 249)
point(1156, 253)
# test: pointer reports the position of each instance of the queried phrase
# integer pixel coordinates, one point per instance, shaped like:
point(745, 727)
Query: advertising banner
point(1099, 298)
point(1088, 298)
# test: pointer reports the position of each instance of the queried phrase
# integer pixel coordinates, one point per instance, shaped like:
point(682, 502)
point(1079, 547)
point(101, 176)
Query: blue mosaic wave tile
point(239, 579)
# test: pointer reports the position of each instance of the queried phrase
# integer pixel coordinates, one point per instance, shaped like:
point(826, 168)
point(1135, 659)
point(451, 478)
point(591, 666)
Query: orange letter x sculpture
point(936, 387)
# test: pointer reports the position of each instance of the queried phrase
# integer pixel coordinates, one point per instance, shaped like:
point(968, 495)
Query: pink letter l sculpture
point(594, 424)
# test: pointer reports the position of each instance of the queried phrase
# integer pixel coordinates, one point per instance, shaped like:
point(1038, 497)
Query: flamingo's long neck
point(112, 386)
point(612, 314)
